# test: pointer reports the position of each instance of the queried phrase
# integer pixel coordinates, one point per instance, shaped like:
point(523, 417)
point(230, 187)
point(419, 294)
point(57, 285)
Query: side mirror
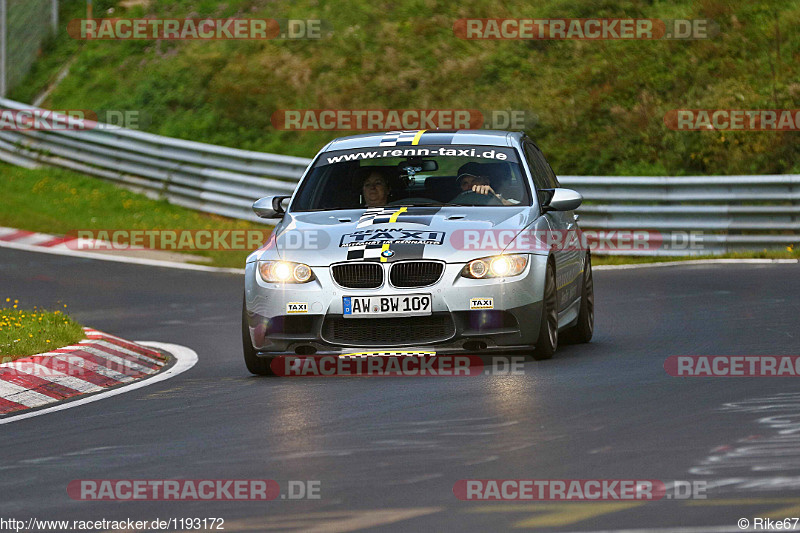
point(270, 206)
point(563, 200)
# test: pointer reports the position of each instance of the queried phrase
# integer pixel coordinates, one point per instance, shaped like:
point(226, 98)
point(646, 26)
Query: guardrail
point(206, 177)
point(717, 213)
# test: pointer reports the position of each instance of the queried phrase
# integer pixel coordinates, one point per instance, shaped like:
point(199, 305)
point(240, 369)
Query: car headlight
point(285, 272)
point(498, 266)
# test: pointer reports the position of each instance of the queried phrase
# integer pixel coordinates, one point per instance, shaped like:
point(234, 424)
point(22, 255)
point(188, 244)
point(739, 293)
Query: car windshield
point(414, 176)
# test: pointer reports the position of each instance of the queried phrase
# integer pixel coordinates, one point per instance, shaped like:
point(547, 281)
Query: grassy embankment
point(25, 332)
point(600, 104)
point(57, 201)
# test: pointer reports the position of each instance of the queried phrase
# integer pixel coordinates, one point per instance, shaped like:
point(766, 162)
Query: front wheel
point(548, 325)
point(255, 364)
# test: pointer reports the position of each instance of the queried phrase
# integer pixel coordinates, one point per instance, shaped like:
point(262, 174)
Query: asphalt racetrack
point(387, 451)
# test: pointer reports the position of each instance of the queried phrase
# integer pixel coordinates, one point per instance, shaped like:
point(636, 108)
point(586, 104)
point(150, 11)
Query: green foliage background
point(600, 104)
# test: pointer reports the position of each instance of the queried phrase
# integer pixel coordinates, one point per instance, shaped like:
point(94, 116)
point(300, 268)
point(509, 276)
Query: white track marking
point(59, 378)
point(186, 359)
point(119, 258)
point(14, 393)
point(92, 366)
point(127, 351)
point(700, 262)
point(125, 363)
point(35, 239)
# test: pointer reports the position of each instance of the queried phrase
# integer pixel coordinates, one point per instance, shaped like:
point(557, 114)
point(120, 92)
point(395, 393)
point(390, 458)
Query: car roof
point(455, 137)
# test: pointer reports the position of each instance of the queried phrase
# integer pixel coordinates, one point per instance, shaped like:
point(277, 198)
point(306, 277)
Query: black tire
point(255, 364)
point(547, 343)
point(583, 329)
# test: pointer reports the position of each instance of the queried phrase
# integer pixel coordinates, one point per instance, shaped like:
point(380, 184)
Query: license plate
point(406, 305)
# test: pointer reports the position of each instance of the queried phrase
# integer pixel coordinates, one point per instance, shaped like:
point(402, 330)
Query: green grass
point(25, 332)
point(60, 202)
point(600, 104)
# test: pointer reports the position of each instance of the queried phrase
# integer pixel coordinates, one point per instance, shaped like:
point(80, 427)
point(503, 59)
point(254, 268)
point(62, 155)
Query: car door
point(562, 224)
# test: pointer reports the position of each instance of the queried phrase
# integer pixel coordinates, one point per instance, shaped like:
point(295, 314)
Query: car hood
point(392, 234)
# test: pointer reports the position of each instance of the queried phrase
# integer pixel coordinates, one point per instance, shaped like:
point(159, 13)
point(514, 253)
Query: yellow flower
point(48, 340)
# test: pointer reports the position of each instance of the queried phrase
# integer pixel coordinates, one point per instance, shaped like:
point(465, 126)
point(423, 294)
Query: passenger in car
point(375, 188)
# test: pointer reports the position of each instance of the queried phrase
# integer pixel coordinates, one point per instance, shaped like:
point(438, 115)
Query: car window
point(538, 167)
point(551, 176)
point(422, 175)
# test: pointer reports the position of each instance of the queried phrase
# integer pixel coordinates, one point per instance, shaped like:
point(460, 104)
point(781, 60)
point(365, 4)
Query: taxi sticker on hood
point(406, 242)
point(392, 236)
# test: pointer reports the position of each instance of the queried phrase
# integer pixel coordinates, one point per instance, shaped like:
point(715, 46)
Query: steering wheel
point(475, 198)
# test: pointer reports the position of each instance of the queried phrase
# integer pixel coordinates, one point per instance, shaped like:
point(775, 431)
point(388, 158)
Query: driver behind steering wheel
point(479, 184)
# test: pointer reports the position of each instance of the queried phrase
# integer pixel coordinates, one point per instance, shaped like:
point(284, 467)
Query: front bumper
point(276, 328)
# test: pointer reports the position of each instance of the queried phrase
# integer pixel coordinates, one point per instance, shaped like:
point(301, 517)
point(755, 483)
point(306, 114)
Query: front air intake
point(358, 275)
point(416, 273)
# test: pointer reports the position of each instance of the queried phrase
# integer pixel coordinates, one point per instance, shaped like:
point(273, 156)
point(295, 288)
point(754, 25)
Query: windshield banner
point(490, 153)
